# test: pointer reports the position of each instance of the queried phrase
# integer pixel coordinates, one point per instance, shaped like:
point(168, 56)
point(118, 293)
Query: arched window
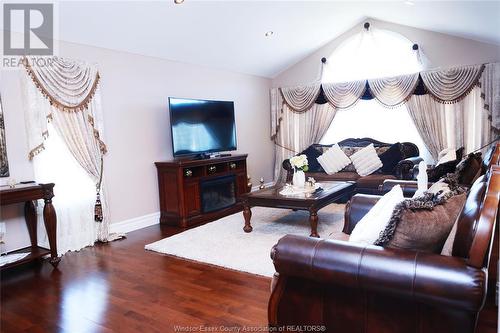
point(373, 53)
point(370, 54)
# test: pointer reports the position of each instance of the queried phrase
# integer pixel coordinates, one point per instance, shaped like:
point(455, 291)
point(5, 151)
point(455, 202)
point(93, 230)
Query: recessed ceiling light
point(178, 2)
point(409, 3)
point(269, 33)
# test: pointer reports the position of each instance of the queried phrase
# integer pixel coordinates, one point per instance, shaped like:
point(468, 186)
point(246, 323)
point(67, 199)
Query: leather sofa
point(368, 184)
point(491, 157)
point(337, 286)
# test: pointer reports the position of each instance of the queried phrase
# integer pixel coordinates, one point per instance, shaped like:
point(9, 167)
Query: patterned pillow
point(422, 224)
point(321, 148)
point(349, 151)
point(381, 150)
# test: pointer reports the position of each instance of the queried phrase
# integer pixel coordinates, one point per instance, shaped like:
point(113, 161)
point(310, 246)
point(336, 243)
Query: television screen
point(201, 126)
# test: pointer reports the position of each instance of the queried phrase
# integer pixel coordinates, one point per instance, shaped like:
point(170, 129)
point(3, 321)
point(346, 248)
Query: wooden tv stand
point(182, 184)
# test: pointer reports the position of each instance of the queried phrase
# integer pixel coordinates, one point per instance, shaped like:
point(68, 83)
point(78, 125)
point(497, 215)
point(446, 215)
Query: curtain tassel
point(98, 209)
point(98, 217)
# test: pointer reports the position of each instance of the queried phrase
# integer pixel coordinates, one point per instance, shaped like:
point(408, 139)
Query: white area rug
point(224, 243)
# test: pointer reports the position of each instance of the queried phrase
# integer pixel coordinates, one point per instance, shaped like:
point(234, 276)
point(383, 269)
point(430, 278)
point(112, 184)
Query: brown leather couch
point(491, 157)
point(368, 184)
point(345, 287)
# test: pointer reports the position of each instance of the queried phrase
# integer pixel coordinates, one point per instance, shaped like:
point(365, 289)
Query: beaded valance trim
point(68, 86)
point(301, 99)
point(444, 85)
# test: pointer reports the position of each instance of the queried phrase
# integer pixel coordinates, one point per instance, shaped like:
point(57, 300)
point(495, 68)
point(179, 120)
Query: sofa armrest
point(418, 277)
point(356, 208)
point(404, 169)
point(409, 187)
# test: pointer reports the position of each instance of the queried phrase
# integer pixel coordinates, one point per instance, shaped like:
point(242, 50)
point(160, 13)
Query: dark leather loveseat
point(368, 184)
point(344, 287)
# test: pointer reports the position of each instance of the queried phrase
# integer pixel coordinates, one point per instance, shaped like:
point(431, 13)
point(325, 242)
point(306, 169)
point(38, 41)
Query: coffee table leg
point(313, 220)
point(247, 214)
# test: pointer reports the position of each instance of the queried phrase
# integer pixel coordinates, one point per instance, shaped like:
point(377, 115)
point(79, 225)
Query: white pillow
point(368, 229)
point(446, 155)
point(366, 160)
point(333, 160)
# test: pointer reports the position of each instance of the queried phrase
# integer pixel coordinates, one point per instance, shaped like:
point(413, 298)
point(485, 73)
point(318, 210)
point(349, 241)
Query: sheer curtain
point(74, 196)
point(467, 123)
point(461, 124)
point(53, 162)
point(370, 119)
point(299, 130)
point(374, 53)
point(429, 119)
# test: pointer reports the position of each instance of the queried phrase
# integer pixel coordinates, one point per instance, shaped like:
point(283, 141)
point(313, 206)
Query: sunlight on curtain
point(467, 125)
point(370, 119)
point(372, 54)
point(74, 196)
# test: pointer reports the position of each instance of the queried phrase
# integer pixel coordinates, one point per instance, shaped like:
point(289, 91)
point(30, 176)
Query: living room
point(192, 166)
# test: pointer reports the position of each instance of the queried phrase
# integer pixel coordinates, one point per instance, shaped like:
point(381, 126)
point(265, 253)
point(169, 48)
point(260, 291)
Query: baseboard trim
point(135, 223)
point(144, 221)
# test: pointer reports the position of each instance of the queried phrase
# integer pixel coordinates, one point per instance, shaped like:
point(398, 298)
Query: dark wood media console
point(198, 191)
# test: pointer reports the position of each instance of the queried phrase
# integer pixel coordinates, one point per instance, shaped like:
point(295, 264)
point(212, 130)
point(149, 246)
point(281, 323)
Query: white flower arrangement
point(300, 162)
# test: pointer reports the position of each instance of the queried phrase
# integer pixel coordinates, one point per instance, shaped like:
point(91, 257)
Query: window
point(373, 54)
point(74, 195)
point(372, 120)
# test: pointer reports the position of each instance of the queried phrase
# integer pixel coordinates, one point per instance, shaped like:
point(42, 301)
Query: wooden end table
point(27, 194)
point(270, 197)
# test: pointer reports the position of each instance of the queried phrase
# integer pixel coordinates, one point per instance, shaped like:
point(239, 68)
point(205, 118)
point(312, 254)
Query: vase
point(299, 178)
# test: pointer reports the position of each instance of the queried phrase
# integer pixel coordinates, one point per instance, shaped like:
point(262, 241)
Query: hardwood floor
point(120, 287)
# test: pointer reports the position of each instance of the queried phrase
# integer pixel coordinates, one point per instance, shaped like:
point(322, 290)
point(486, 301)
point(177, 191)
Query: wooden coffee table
point(270, 197)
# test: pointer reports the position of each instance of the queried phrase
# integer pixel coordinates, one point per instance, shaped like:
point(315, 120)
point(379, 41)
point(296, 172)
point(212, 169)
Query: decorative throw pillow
point(321, 148)
point(446, 155)
point(427, 230)
point(349, 151)
point(443, 169)
point(368, 229)
point(382, 149)
point(333, 160)
point(440, 188)
point(448, 244)
point(469, 169)
point(366, 161)
point(424, 223)
point(391, 157)
point(312, 153)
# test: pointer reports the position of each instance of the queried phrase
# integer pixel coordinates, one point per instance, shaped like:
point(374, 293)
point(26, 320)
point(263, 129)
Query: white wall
point(441, 49)
point(136, 125)
point(17, 151)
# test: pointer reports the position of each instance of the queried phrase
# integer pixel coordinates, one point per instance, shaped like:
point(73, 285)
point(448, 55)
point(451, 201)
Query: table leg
point(50, 221)
point(247, 214)
point(313, 220)
point(31, 222)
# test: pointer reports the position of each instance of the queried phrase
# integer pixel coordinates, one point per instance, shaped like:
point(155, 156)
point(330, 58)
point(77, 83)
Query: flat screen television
point(201, 127)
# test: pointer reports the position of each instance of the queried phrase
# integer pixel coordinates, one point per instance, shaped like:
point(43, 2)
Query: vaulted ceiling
point(230, 34)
